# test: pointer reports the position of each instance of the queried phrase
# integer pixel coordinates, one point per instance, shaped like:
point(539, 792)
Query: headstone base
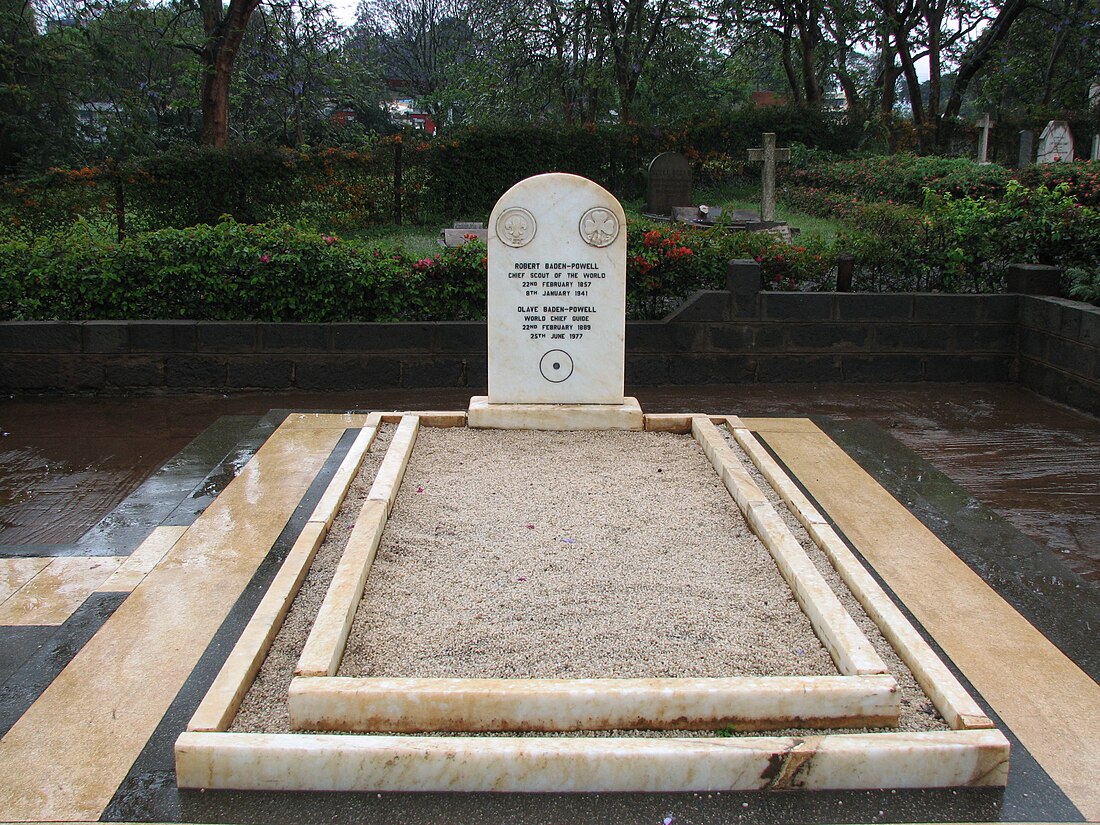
point(485, 416)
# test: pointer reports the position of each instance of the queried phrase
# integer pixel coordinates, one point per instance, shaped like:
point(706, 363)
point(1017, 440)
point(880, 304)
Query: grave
point(1027, 148)
point(668, 184)
point(1056, 143)
point(768, 156)
point(461, 232)
point(352, 731)
point(1094, 104)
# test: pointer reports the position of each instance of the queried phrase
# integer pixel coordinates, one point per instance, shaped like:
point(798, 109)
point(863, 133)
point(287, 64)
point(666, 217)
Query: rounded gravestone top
point(669, 184)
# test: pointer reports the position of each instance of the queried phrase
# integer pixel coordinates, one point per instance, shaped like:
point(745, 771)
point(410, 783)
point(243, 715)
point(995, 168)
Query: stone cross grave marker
point(770, 156)
point(668, 184)
point(557, 293)
point(1027, 147)
point(1056, 142)
point(985, 124)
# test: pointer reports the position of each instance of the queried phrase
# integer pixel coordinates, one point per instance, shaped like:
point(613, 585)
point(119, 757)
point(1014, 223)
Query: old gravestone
point(1027, 147)
point(556, 309)
point(1094, 104)
point(1055, 143)
point(669, 184)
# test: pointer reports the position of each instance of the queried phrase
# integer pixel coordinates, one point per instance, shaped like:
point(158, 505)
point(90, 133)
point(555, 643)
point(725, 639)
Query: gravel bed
point(586, 555)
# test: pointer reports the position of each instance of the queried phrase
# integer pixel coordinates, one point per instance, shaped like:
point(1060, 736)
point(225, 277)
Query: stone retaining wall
point(738, 335)
point(1059, 352)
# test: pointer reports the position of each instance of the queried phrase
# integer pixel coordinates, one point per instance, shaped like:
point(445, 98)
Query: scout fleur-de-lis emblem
point(599, 226)
point(516, 226)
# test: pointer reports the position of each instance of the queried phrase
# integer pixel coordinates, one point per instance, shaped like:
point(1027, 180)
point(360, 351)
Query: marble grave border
point(208, 756)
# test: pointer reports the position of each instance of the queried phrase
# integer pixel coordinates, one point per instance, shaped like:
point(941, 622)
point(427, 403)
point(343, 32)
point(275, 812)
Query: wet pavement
point(65, 462)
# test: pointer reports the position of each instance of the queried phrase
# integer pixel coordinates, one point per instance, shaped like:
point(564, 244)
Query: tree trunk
point(223, 39)
point(788, 66)
point(810, 81)
point(852, 97)
point(1055, 55)
point(215, 104)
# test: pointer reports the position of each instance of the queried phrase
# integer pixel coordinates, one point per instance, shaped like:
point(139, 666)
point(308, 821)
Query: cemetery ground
point(423, 241)
point(975, 506)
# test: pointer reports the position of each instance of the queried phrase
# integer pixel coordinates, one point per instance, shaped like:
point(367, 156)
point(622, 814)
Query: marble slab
point(484, 415)
point(738, 703)
point(55, 592)
point(557, 293)
point(138, 564)
point(223, 699)
point(388, 479)
point(337, 489)
point(334, 762)
point(16, 572)
point(324, 646)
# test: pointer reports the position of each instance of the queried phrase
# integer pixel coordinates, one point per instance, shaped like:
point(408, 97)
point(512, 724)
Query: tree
point(638, 31)
point(955, 36)
point(293, 72)
point(422, 46)
point(1048, 61)
point(224, 28)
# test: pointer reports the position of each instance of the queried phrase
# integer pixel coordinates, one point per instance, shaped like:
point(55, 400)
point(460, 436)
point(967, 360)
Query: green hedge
point(272, 272)
point(232, 271)
point(904, 178)
point(961, 244)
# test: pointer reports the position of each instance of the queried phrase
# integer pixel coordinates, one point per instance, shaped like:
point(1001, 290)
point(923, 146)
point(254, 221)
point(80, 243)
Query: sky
point(344, 10)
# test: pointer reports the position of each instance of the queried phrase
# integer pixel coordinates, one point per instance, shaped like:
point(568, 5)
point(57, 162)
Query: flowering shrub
point(903, 178)
point(666, 264)
point(1082, 179)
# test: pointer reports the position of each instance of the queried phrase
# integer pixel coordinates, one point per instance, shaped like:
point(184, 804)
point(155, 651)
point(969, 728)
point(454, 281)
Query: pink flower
point(329, 239)
point(265, 259)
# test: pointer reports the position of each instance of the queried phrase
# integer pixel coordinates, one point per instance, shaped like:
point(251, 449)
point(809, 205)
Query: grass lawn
point(748, 197)
point(421, 241)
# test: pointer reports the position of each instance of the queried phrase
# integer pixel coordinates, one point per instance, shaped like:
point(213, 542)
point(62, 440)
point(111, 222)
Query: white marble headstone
point(557, 293)
point(1056, 143)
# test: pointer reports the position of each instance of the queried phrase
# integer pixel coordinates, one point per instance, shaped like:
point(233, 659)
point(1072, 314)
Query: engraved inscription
point(556, 366)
